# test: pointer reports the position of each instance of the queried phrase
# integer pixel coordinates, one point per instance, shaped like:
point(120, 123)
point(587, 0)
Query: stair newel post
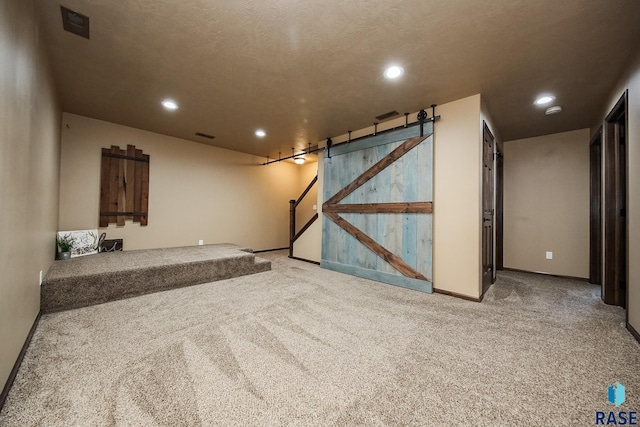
point(292, 225)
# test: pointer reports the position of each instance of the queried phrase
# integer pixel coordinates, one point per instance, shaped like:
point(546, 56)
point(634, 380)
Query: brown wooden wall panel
point(122, 199)
point(144, 191)
point(104, 187)
point(137, 191)
point(129, 179)
point(124, 186)
point(113, 182)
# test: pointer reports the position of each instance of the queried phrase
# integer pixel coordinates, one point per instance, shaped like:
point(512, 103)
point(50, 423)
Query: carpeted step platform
point(96, 279)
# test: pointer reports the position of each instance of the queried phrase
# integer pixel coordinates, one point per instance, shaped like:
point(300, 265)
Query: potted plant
point(65, 244)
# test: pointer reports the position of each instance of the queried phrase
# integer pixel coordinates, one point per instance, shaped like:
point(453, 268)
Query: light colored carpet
point(303, 346)
point(96, 279)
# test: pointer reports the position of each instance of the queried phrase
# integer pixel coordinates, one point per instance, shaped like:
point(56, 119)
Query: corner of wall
point(457, 198)
point(631, 81)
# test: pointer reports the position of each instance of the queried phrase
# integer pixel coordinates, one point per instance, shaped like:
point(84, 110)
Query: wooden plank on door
point(381, 139)
point(424, 233)
point(348, 175)
point(381, 251)
point(369, 223)
point(365, 208)
point(379, 276)
point(410, 219)
point(389, 159)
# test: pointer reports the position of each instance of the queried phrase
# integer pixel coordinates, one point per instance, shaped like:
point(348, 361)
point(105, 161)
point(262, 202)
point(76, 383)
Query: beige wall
point(631, 81)
point(29, 153)
point(457, 198)
point(196, 191)
point(546, 203)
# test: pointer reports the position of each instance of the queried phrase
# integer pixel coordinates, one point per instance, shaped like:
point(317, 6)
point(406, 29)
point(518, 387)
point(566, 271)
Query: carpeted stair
point(96, 279)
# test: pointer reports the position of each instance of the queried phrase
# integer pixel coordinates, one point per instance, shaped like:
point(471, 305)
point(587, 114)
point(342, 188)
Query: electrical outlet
point(549, 255)
point(315, 207)
point(40, 280)
point(201, 242)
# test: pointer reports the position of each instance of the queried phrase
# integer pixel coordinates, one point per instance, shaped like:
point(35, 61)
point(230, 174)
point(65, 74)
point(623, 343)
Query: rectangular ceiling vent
point(386, 116)
point(204, 135)
point(75, 22)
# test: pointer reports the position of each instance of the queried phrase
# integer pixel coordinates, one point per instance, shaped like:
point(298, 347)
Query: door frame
point(499, 216)
point(614, 164)
point(595, 213)
point(488, 215)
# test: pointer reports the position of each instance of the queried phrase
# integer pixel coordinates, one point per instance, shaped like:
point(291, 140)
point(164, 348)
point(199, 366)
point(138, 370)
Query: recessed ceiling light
point(393, 72)
point(299, 160)
point(169, 104)
point(553, 110)
point(261, 133)
point(544, 99)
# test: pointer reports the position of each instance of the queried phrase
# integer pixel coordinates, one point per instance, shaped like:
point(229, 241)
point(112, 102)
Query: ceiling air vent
point(204, 135)
point(386, 116)
point(74, 22)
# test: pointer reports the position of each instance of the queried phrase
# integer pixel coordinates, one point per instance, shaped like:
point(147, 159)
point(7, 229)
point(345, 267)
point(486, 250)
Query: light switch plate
point(549, 255)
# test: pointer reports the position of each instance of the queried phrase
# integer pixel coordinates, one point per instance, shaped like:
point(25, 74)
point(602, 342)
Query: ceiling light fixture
point(169, 104)
point(299, 160)
point(393, 72)
point(544, 99)
point(261, 133)
point(553, 110)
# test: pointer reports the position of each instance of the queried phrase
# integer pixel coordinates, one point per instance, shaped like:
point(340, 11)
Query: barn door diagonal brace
point(393, 260)
point(386, 161)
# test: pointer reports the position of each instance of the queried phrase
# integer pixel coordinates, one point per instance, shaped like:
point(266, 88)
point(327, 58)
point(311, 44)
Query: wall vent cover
point(204, 135)
point(386, 116)
point(75, 22)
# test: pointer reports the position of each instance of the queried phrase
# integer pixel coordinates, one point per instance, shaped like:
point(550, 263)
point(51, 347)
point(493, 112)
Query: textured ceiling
point(307, 69)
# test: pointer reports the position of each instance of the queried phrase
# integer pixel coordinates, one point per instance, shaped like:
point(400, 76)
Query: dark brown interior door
point(595, 215)
point(488, 185)
point(614, 290)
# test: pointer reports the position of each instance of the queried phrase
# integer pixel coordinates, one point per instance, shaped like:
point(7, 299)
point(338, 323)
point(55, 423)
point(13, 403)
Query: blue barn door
point(377, 208)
